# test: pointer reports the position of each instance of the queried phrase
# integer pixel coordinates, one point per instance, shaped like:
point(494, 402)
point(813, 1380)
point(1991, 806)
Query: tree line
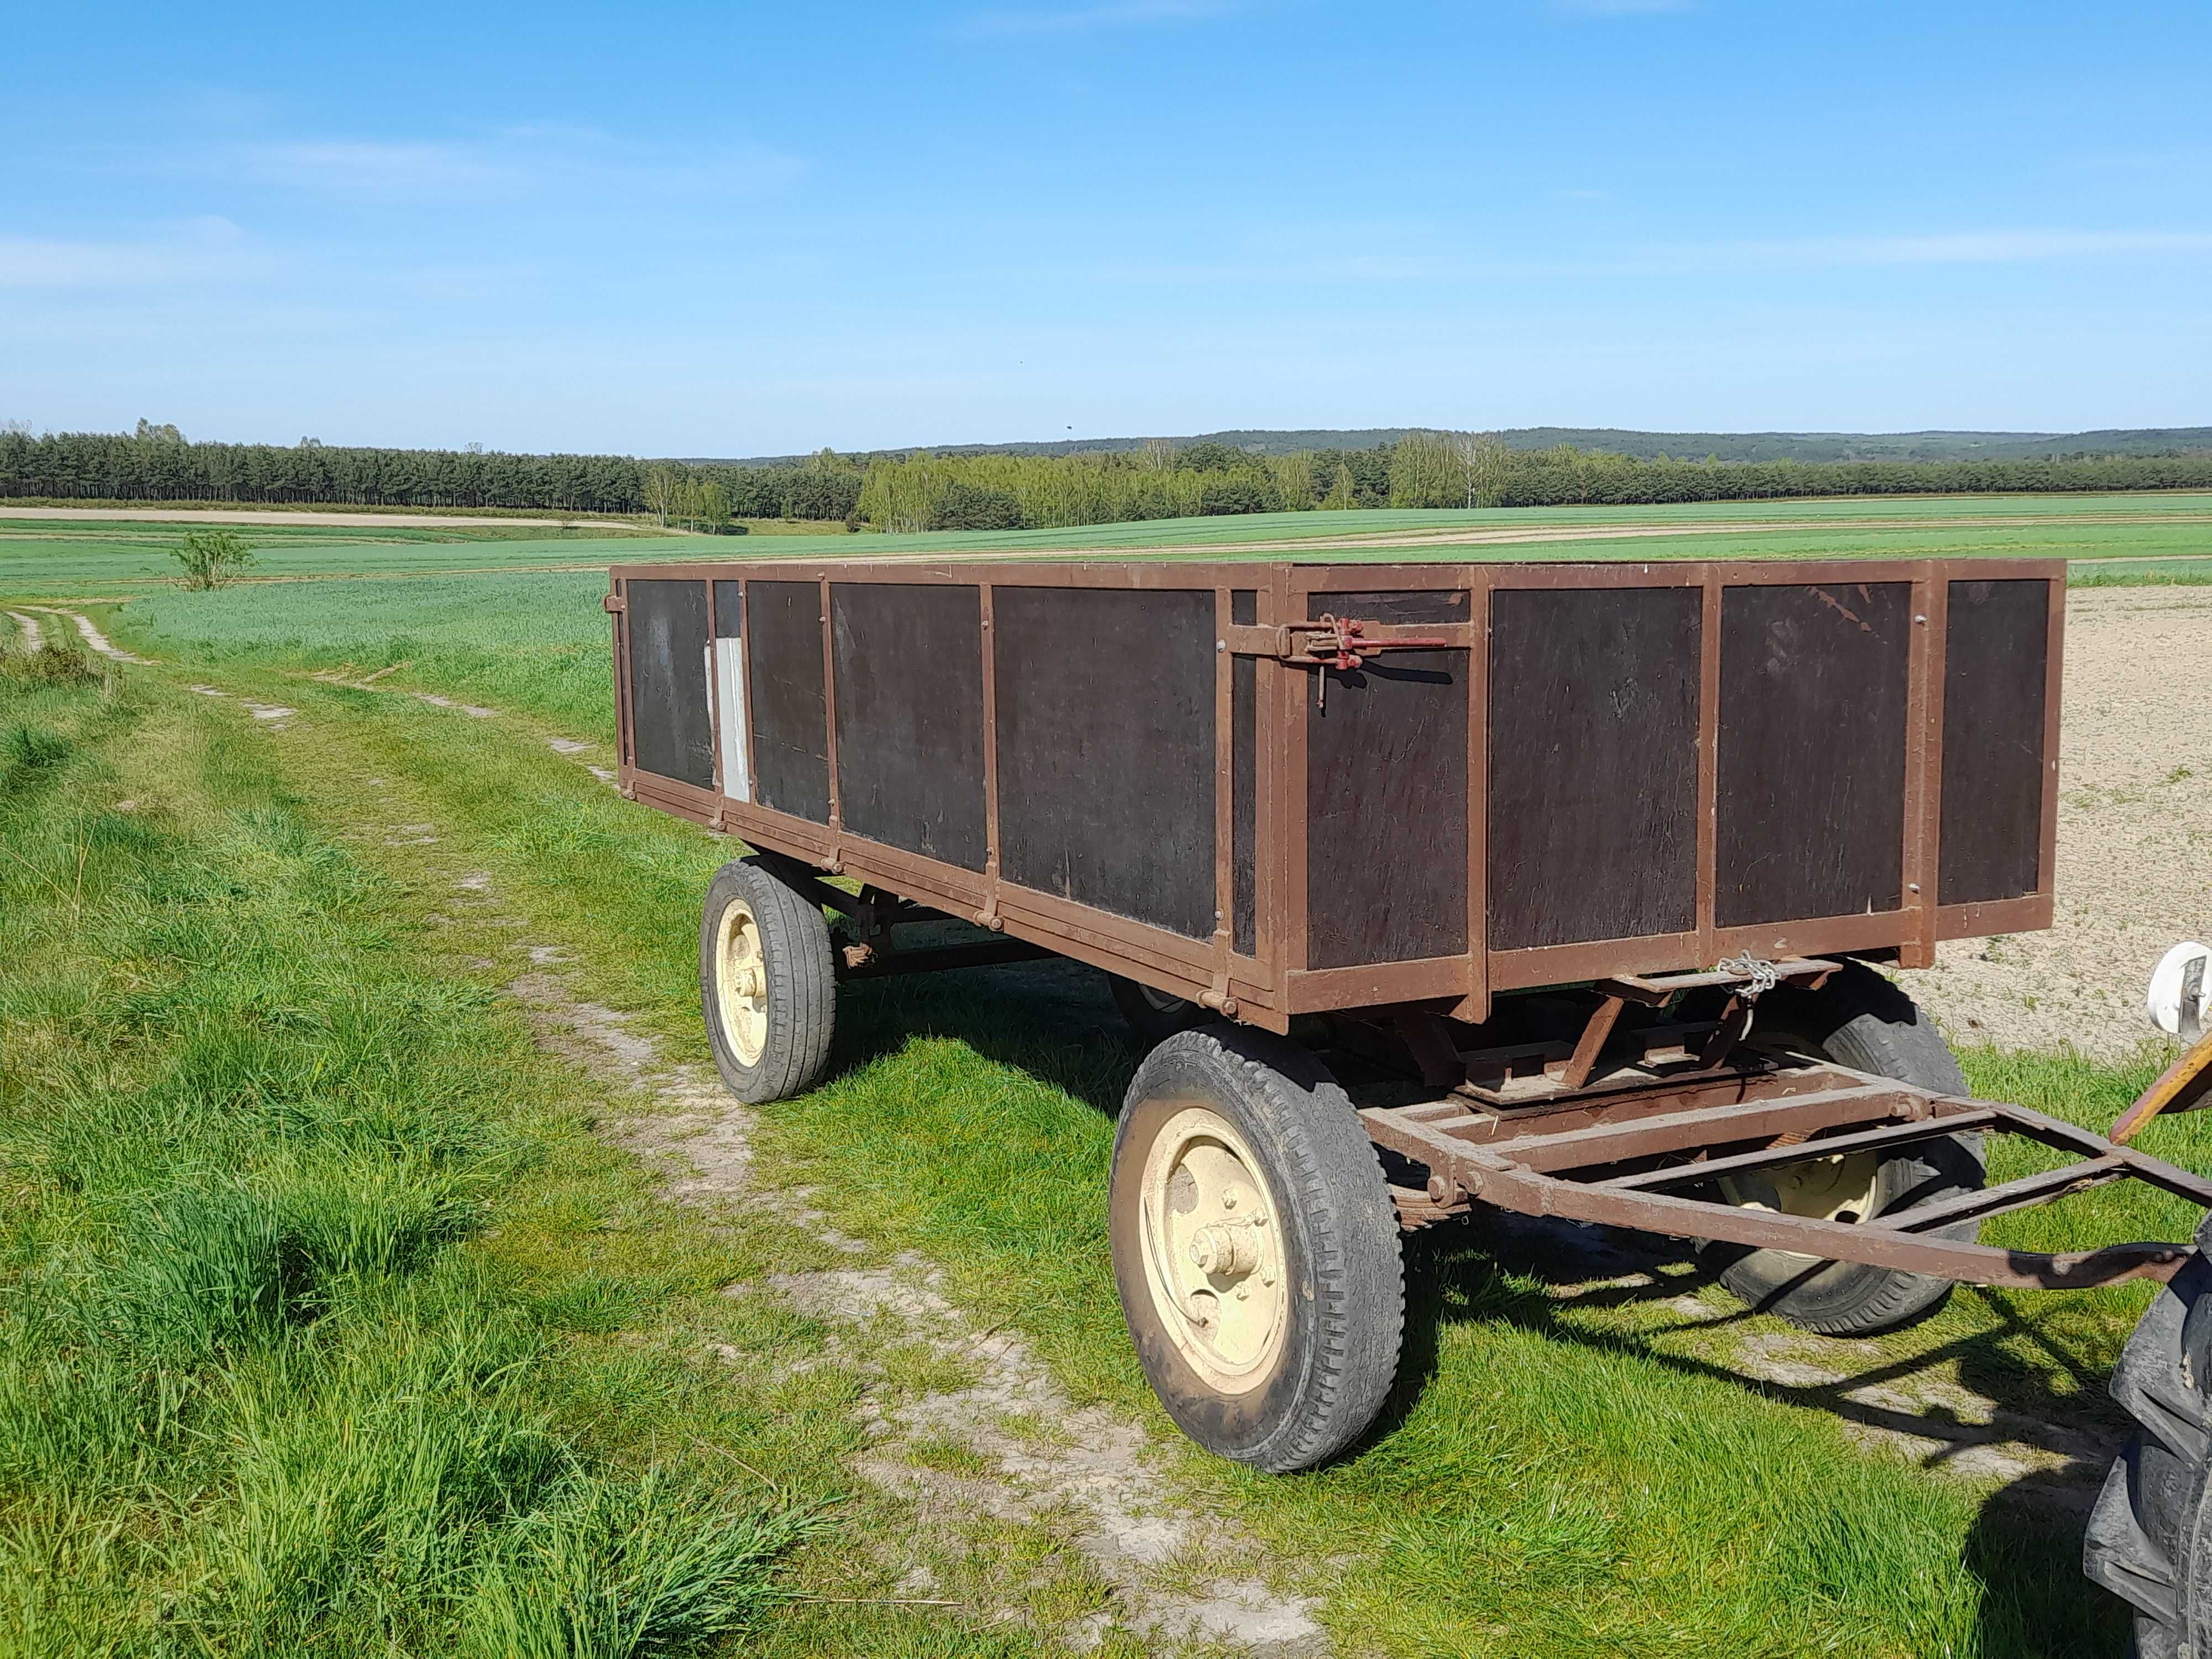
point(911, 491)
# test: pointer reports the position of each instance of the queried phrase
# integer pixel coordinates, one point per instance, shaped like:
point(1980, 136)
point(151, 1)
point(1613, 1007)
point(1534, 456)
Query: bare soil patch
point(1035, 1455)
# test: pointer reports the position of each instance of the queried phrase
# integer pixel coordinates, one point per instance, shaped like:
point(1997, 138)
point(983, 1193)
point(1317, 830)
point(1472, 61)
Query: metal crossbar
point(1600, 1171)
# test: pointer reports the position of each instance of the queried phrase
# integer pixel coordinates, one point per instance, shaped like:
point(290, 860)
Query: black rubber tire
point(2149, 1540)
point(802, 985)
point(1862, 1020)
point(1339, 1238)
point(1154, 1015)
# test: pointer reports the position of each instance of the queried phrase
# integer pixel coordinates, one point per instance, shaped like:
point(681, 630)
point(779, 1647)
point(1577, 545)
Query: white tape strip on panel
point(728, 661)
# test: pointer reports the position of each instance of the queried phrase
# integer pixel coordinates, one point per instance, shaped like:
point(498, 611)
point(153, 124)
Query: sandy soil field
point(2135, 837)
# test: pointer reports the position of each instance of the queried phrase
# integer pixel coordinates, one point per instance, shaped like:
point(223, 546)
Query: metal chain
point(1757, 969)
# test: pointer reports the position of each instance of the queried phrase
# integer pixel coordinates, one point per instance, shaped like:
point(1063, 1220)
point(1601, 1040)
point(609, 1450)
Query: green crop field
point(346, 1309)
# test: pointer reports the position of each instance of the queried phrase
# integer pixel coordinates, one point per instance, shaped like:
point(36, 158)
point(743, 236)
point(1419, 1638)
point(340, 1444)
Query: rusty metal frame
point(1277, 981)
point(1606, 1161)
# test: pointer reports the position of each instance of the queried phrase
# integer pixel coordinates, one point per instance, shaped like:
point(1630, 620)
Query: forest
point(918, 491)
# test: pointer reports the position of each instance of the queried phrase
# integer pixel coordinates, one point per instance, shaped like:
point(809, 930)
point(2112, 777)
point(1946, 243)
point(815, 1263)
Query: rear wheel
point(1861, 1020)
point(1255, 1248)
point(1156, 1016)
point(767, 984)
point(2150, 1537)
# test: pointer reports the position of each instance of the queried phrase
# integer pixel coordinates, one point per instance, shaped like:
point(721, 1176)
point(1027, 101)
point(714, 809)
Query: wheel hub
point(1212, 1251)
point(741, 982)
point(1840, 1188)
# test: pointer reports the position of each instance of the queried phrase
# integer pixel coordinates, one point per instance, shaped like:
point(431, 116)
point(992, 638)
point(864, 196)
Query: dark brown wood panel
point(671, 710)
point(1811, 801)
point(1106, 749)
point(1243, 782)
point(1593, 765)
point(910, 664)
point(1996, 656)
point(729, 611)
point(783, 672)
point(1386, 794)
point(1410, 605)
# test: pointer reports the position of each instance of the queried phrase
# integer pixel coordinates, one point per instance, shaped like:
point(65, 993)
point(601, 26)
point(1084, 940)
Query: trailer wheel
point(766, 984)
point(1156, 1016)
point(2149, 1540)
point(1861, 1020)
point(1255, 1248)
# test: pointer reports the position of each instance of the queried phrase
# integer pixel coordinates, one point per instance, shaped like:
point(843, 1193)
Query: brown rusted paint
point(1583, 1061)
point(991, 857)
point(1224, 803)
point(1923, 764)
point(1475, 1004)
point(1275, 982)
point(1528, 1171)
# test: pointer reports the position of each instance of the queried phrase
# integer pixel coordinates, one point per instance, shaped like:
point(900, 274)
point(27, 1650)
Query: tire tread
point(802, 985)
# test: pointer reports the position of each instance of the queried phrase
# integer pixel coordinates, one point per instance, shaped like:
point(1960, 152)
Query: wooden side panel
point(1811, 798)
point(1106, 749)
point(1244, 782)
point(1593, 765)
point(791, 726)
point(1386, 794)
point(729, 609)
point(671, 709)
point(1411, 605)
point(910, 663)
point(1995, 657)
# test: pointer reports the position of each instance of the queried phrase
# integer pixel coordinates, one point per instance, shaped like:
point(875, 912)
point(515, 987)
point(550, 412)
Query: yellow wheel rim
point(741, 982)
point(1840, 1188)
point(1212, 1248)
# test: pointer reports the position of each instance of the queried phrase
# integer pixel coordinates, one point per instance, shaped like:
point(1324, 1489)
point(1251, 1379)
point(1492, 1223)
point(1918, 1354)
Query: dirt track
point(2135, 837)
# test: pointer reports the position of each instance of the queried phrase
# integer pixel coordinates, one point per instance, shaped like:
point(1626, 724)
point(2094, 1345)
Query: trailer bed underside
point(1649, 1153)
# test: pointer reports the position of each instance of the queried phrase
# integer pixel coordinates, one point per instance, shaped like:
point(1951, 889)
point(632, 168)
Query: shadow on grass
point(2025, 1546)
point(1055, 1021)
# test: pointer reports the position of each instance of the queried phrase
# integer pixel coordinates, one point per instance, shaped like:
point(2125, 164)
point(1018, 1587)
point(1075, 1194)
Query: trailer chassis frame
point(1610, 1156)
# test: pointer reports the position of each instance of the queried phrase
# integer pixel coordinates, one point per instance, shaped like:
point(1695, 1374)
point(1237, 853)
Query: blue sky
point(747, 229)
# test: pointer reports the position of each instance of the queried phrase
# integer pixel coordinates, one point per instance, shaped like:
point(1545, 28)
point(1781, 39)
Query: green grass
point(511, 620)
point(1583, 1471)
point(1567, 1468)
point(84, 560)
point(281, 1226)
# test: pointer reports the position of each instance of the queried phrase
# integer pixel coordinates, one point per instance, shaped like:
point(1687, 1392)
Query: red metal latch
point(1344, 643)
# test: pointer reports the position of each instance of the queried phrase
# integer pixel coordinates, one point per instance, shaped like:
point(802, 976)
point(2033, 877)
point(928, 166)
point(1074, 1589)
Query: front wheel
point(1255, 1248)
point(767, 984)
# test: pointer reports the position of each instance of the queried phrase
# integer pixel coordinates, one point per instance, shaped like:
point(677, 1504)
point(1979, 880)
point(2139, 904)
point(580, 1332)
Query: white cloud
point(376, 168)
point(512, 162)
point(1622, 8)
point(1121, 13)
point(199, 251)
point(1674, 259)
point(1950, 248)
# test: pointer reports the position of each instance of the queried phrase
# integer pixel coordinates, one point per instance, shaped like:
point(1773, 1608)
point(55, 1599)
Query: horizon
point(1134, 216)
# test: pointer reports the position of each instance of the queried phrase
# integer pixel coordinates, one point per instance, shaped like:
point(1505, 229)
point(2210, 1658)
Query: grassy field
point(263, 1055)
point(37, 558)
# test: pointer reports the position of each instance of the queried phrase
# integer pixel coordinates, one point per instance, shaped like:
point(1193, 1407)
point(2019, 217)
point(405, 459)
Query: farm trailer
point(1433, 889)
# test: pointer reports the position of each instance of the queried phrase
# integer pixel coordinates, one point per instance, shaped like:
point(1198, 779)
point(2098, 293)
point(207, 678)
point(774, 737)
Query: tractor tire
point(767, 985)
point(1255, 1248)
point(2149, 1540)
point(1153, 1016)
point(1861, 1020)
